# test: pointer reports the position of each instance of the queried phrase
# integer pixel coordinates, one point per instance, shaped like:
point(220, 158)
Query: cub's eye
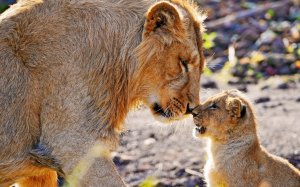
point(184, 63)
point(213, 106)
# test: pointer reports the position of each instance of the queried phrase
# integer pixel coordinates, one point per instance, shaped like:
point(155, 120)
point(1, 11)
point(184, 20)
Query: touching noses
point(193, 102)
point(193, 90)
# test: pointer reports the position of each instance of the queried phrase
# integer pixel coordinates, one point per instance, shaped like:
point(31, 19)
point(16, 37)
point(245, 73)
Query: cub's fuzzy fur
point(70, 70)
point(236, 158)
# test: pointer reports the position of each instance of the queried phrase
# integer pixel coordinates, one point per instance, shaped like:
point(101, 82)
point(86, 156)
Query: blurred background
point(4, 4)
point(250, 45)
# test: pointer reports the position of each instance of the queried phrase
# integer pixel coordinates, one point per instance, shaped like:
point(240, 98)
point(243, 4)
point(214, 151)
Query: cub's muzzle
point(196, 111)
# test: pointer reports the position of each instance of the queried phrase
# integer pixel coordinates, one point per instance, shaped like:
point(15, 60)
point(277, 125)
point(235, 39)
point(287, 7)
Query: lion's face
point(222, 116)
point(173, 61)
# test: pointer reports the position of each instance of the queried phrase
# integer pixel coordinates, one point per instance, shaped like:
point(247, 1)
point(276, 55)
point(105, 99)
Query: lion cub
point(236, 157)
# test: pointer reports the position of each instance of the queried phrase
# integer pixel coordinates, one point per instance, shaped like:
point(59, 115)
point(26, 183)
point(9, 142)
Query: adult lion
point(70, 70)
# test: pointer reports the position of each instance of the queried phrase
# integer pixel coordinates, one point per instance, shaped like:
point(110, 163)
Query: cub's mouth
point(200, 129)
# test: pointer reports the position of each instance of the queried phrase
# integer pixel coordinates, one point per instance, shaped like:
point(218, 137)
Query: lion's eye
point(184, 64)
point(213, 106)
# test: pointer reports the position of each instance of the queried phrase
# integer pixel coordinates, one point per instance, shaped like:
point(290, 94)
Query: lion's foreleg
point(101, 173)
point(95, 169)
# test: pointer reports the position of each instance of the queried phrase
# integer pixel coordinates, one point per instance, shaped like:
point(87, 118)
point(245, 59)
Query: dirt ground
point(169, 155)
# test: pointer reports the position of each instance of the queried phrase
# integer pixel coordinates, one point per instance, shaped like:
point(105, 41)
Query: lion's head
point(171, 59)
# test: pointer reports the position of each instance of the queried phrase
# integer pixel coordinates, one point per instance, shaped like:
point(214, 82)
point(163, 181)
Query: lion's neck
point(112, 82)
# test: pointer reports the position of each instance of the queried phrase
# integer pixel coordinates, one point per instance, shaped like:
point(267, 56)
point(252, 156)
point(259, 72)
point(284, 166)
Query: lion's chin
point(165, 119)
point(165, 116)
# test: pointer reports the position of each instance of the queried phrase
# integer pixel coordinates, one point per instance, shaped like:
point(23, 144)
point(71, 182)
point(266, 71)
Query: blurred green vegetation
point(270, 14)
point(208, 40)
point(3, 6)
point(149, 182)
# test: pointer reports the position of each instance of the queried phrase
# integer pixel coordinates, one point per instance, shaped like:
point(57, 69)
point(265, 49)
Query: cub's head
point(224, 116)
point(171, 59)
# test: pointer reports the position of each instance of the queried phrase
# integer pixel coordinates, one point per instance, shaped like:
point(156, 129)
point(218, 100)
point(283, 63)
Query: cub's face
point(220, 116)
point(171, 61)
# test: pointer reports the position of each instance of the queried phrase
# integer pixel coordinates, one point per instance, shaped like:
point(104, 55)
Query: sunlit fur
point(235, 156)
point(70, 70)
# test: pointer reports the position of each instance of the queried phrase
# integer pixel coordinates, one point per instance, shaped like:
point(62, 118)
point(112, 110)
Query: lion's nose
point(189, 110)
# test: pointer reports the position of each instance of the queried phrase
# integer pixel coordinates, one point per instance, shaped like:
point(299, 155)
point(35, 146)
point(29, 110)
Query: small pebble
point(262, 100)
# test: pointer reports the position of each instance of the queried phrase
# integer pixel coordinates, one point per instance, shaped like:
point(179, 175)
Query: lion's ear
point(235, 108)
point(162, 16)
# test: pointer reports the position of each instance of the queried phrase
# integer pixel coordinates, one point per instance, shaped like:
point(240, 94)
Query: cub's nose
point(196, 111)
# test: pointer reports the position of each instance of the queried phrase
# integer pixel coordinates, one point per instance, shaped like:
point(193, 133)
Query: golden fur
point(70, 70)
point(236, 157)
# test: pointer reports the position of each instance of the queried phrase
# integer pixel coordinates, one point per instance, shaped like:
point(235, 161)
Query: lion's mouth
point(200, 129)
point(160, 111)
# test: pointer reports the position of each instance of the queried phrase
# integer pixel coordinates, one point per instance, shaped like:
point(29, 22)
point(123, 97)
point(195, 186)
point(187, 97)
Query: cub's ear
point(235, 108)
point(162, 16)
